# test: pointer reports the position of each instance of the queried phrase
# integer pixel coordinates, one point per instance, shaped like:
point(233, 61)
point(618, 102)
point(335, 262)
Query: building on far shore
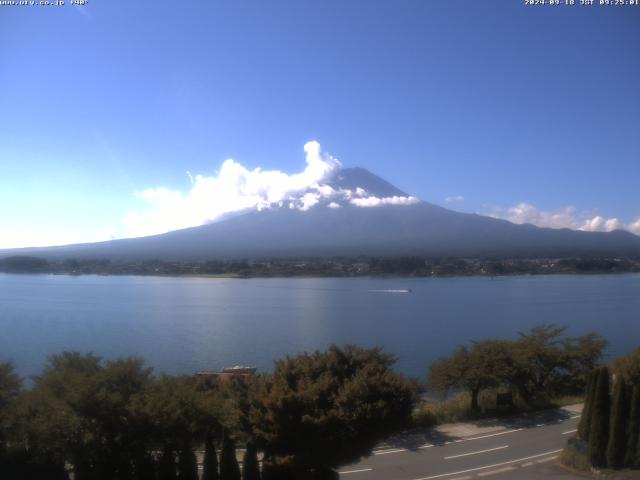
point(227, 372)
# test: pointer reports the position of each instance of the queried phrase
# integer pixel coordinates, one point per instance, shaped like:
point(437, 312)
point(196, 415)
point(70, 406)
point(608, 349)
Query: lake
point(180, 325)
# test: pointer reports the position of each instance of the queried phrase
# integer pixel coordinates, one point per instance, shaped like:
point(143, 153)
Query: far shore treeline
point(325, 267)
point(87, 418)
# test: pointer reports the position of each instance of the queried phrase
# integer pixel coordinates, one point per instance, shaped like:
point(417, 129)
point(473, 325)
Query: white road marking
point(477, 453)
point(489, 466)
point(430, 445)
point(386, 452)
point(570, 431)
point(493, 472)
point(383, 451)
point(573, 418)
point(496, 434)
point(467, 477)
point(355, 471)
point(527, 464)
point(542, 460)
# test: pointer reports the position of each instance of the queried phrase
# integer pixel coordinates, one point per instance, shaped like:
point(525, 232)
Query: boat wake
point(392, 291)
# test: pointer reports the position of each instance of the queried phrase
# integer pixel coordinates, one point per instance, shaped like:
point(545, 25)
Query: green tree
point(167, 465)
point(322, 410)
point(581, 357)
point(618, 424)
point(10, 453)
point(599, 428)
point(210, 466)
point(177, 412)
point(85, 413)
point(538, 365)
point(273, 470)
point(486, 364)
point(144, 467)
point(120, 436)
point(250, 467)
point(547, 363)
point(585, 418)
point(629, 367)
point(187, 466)
point(55, 428)
point(10, 387)
point(539, 356)
point(229, 468)
point(632, 454)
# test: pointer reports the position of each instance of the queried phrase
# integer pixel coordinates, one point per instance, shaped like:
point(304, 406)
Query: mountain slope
point(415, 229)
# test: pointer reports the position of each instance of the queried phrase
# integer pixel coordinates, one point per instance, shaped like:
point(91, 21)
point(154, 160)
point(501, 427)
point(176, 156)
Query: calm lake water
point(188, 324)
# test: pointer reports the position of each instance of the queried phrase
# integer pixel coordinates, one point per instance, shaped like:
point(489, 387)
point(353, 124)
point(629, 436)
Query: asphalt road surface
point(527, 449)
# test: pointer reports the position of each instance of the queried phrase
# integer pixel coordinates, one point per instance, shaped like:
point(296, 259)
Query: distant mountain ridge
point(410, 228)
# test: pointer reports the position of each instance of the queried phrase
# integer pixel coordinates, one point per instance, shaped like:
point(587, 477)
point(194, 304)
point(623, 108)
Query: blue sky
point(529, 113)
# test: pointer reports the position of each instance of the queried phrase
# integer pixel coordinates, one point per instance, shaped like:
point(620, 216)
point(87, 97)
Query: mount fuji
point(352, 213)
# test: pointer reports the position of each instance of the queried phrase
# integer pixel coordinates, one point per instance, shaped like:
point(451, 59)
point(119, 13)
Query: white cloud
point(309, 200)
point(634, 227)
point(601, 224)
point(454, 198)
point(526, 213)
point(378, 202)
point(235, 188)
point(566, 217)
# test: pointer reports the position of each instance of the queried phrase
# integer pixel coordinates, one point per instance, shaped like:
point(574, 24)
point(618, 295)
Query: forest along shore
point(325, 267)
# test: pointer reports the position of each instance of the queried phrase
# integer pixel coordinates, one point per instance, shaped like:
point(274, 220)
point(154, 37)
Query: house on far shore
point(227, 372)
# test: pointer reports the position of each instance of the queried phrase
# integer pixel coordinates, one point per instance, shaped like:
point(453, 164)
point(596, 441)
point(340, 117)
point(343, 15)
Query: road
point(527, 449)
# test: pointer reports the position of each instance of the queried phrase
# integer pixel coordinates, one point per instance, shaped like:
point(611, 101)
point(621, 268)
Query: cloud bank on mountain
point(566, 217)
point(236, 188)
point(372, 201)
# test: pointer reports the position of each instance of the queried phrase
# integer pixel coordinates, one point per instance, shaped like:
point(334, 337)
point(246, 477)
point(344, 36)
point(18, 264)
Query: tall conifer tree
point(618, 424)
point(632, 457)
point(167, 465)
point(229, 469)
point(250, 467)
point(188, 469)
point(210, 467)
point(599, 428)
point(585, 418)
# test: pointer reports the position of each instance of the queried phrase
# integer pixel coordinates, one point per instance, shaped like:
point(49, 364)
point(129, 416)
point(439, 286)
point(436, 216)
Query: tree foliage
point(321, 410)
point(539, 364)
point(585, 418)
point(485, 364)
point(210, 462)
point(632, 453)
point(613, 417)
point(250, 466)
point(616, 448)
point(187, 467)
point(599, 427)
point(629, 367)
point(229, 468)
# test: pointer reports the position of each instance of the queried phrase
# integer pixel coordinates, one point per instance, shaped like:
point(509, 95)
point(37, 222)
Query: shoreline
point(311, 276)
point(334, 267)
